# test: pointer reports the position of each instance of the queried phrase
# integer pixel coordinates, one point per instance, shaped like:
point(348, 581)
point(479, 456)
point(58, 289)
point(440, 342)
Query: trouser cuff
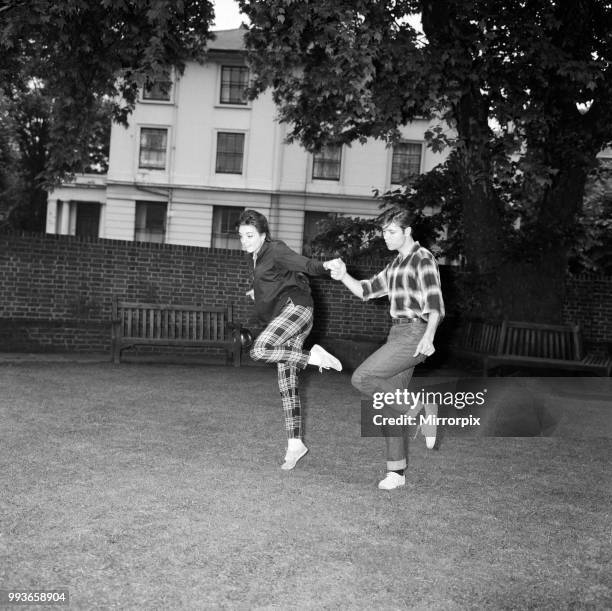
point(395, 465)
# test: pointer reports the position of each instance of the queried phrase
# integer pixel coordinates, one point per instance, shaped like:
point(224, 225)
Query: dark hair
point(258, 220)
point(402, 218)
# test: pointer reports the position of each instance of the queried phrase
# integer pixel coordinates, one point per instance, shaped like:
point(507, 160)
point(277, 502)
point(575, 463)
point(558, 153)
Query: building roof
point(228, 40)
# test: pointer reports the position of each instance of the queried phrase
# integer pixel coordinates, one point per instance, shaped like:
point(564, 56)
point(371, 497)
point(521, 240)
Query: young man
point(412, 283)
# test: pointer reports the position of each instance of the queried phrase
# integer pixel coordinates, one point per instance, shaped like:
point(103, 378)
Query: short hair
point(256, 219)
point(402, 218)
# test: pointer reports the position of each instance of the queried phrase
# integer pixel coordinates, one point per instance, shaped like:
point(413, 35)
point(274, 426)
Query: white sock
point(294, 444)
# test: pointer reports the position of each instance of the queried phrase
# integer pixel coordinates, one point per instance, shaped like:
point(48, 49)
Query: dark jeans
point(388, 369)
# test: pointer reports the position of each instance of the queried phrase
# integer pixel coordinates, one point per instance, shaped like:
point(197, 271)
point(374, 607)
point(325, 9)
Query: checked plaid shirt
point(412, 284)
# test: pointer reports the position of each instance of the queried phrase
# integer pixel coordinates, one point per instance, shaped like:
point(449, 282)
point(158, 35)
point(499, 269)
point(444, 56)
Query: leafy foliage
point(592, 249)
point(436, 202)
point(24, 135)
point(502, 79)
point(335, 67)
point(83, 53)
point(25, 124)
point(68, 67)
point(433, 198)
point(10, 178)
point(347, 237)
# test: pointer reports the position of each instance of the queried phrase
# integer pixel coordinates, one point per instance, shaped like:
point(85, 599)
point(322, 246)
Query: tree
point(358, 238)
point(505, 76)
point(25, 128)
point(593, 251)
point(10, 179)
point(66, 66)
point(25, 123)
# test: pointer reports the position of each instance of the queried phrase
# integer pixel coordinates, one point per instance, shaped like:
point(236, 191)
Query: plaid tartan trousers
point(281, 343)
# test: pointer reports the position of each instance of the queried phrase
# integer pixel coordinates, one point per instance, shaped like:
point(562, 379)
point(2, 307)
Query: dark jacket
point(279, 274)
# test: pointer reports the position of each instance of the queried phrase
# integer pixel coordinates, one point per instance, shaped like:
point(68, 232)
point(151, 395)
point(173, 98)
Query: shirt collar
point(262, 249)
point(401, 257)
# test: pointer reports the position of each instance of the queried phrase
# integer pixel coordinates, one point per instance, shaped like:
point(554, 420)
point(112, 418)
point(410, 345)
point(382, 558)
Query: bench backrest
point(166, 321)
point(543, 341)
point(480, 336)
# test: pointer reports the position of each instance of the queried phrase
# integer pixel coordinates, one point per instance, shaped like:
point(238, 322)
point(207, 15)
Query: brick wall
point(588, 302)
point(56, 292)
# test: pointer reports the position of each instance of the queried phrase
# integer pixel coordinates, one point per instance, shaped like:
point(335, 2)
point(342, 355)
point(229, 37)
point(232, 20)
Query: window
point(224, 233)
point(150, 223)
point(230, 151)
point(153, 144)
point(80, 218)
point(157, 90)
point(87, 222)
point(234, 81)
point(406, 162)
point(326, 163)
point(312, 229)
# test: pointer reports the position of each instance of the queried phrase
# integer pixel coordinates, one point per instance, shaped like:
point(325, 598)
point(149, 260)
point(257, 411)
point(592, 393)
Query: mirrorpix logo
point(390, 411)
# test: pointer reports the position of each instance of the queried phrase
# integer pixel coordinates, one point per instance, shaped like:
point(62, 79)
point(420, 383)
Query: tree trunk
point(533, 288)
point(482, 210)
point(533, 291)
point(482, 213)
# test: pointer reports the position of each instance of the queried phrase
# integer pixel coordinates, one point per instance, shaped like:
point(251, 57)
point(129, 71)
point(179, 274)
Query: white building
point(196, 153)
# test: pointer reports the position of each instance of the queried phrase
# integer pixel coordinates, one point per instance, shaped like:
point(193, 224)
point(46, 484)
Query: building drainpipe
point(171, 156)
point(307, 171)
point(277, 176)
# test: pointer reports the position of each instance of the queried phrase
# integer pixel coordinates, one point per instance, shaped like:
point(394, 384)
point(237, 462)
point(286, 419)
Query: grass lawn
point(158, 487)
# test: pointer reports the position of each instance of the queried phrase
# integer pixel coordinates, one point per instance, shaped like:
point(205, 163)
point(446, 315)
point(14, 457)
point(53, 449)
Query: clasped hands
point(337, 268)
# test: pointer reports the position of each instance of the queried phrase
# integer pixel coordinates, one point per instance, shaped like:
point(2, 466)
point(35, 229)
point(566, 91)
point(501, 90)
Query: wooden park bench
point(152, 324)
point(477, 338)
point(522, 344)
point(560, 347)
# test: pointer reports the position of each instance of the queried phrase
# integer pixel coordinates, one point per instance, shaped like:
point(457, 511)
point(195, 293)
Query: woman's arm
point(287, 258)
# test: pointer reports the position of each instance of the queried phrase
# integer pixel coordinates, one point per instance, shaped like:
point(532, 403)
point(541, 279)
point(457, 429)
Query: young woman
point(283, 303)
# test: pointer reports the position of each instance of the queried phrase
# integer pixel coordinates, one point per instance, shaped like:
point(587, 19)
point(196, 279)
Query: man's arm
point(429, 280)
point(338, 272)
point(426, 346)
point(353, 285)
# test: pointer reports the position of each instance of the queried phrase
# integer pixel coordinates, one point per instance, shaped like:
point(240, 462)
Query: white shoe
point(323, 359)
point(430, 440)
point(292, 457)
point(392, 480)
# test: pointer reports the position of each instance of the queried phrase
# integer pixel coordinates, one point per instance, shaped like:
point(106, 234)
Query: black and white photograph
point(306, 304)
